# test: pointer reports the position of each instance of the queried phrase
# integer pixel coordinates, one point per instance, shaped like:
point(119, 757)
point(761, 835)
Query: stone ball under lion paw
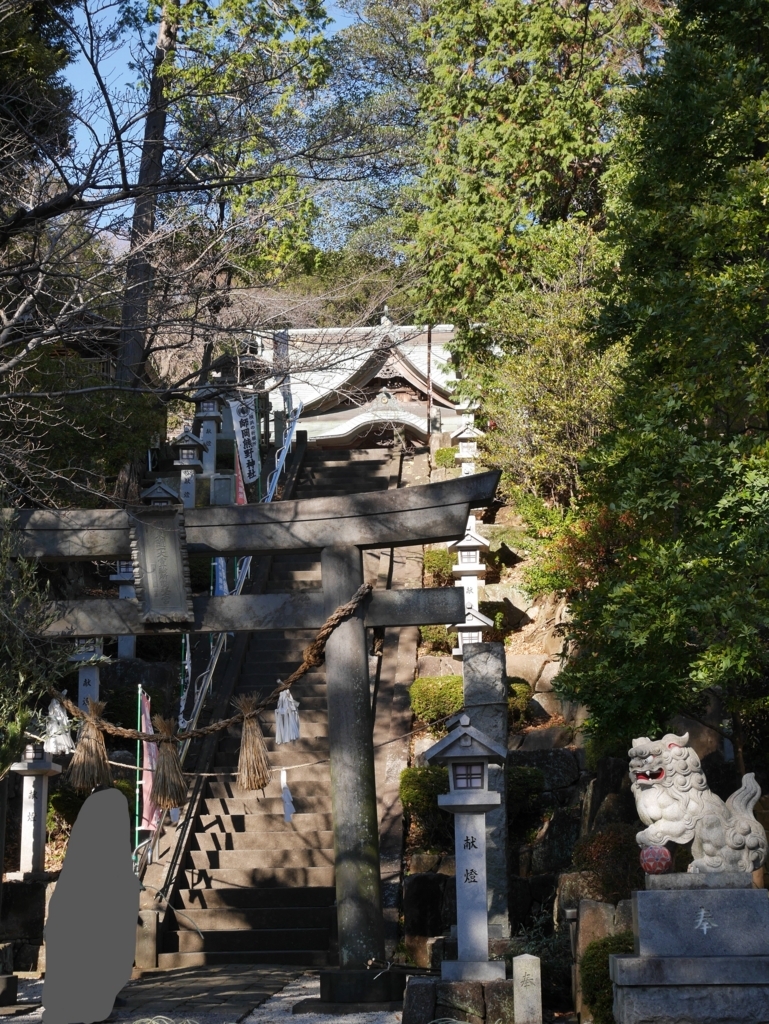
point(656, 860)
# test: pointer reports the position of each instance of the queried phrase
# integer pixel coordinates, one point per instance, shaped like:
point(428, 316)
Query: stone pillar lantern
point(468, 752)
point(467, 571)
point(36, 770)
point(87, 652)
point(466, 438)
point(124, 576)
point(208, 412)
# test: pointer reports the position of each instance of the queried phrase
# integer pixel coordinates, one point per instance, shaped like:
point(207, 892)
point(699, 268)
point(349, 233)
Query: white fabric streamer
point(57, 727)
point(288, 803)
point(286, 718)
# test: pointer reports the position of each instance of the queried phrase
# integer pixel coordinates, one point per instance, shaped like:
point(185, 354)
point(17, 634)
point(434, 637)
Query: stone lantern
point(87, 653)
point(208, 412)
point(36, 769)
point(124, 576)
point(468, 752)
point(467, 571)
point(467, 440)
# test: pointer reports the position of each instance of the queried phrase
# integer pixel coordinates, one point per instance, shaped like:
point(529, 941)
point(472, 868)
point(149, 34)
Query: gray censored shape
point(90, 934)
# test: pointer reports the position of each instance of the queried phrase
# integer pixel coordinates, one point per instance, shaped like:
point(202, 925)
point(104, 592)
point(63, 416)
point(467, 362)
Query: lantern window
point(209, 405)
point(187, 454)
point(468, 776)
point(472, 637)
point(467, 556)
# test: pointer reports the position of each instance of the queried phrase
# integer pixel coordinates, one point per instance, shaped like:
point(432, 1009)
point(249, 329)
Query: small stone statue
point(673, 799)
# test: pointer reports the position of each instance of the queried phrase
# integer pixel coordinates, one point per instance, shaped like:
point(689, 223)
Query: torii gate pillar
point(353, 785)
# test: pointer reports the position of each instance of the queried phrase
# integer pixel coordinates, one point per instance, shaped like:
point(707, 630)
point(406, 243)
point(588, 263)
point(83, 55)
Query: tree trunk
point(3, 815)
point(132, 356)
point(738, 742)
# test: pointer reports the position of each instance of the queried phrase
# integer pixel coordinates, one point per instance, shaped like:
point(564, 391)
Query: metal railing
point(208, 675)
point(282, 453)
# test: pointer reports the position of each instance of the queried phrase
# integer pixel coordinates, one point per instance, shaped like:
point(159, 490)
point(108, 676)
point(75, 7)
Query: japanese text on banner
point(247, 437)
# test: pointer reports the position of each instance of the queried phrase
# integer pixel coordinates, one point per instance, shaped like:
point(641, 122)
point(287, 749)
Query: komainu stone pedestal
point(701, 953)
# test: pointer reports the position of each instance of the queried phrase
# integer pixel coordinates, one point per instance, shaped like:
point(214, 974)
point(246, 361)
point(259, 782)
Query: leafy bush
point(612, 855)
point(437, 564)
point(432, 828)
point(594, 973)
point(518, 698)
point(444, 457)
point(436, 697)
point(437, 639)
point(540, 938)
point(524, 787)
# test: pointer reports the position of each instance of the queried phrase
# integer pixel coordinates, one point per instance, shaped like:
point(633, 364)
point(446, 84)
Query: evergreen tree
point(519, 108)
point(670, 565)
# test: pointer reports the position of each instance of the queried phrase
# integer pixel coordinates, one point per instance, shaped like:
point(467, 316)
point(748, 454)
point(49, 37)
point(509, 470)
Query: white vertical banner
point(247, 437)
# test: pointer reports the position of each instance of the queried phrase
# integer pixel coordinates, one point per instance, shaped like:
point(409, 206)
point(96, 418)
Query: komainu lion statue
point(674, 801)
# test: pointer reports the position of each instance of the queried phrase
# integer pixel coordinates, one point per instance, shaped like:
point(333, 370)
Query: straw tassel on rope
point(168, 786)
point(89, 767)
point(254, 770)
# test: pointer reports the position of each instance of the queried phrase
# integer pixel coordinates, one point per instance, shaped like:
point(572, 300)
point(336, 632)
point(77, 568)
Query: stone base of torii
point(158, 542)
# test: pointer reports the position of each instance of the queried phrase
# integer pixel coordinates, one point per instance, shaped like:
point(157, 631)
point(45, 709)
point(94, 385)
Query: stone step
point(226, 878)
point(274, 841)
point(344, 470)
point(261, 859)
point(298, 898)
point(265, 805)
point(287, 957)
point(284, 753)
point(267, 823)
point(234, 919)
point(290, 587)
point(243, 940)
point(346, 455)
point(289, 573)
point(262, 668)
point(308, 781)
point(302, 789)
point(227, 760)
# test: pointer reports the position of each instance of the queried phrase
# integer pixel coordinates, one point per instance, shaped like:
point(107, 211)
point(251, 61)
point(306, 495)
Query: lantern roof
point(474, 621)
point(160, 490)
point(187, 440)
point(467, 432)
point(206, 393)
point(471, 540)
point(463, 742)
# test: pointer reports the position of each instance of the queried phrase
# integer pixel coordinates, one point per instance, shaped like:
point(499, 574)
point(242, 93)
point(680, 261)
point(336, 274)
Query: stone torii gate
point(158, 540)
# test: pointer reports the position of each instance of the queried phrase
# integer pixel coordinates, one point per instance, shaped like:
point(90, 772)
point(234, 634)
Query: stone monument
point(701, 937)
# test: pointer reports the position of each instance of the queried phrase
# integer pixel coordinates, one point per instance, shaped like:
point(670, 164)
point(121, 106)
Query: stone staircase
point(261, 890)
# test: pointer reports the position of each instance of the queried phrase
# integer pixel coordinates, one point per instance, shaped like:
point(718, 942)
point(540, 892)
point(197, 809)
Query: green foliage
point(612, 855)
point(28, 665)
point(444, 458)
point(594, 973)
point(519, 109)
point(36, 101)
point(524, 788)
point(552, 946)
point(419, 791)
point(437, 639)
point(436, 697)
point(547, 394)
point(437, 564)
point(671, 599)
point(64, 803)
point(518, 700)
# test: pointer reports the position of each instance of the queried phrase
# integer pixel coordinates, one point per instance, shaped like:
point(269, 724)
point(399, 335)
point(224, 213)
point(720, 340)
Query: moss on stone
point(594, 974)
